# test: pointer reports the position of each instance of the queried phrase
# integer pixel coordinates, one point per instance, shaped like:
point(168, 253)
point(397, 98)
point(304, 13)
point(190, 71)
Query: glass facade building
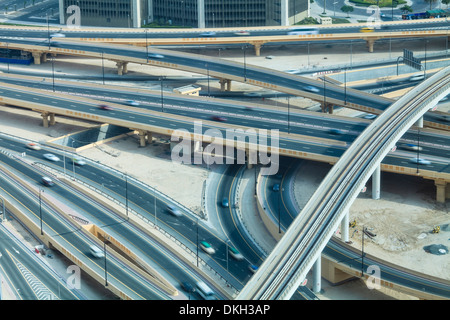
point(188, 13)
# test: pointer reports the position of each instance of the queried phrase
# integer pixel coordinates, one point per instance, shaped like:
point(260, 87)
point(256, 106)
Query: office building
point(189, 13)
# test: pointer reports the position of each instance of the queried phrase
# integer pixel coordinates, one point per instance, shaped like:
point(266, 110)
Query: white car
point(369, 116)
point(208, 34)
point(155, 56)
point(236, 254)
point(207, 247)
point(174, 211)
point(51, 157)
point(57, 35)
point(311, 89)
point(292, 71)
point(417, 77)
point(78, 161)
point(132, 103)
point(420, 161)
point(96, 252)
point(413, 147)
point(33, 146)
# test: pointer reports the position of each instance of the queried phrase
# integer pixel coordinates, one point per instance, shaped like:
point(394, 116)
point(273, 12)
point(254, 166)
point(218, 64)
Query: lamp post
point(106, 272)
point(146, 44)
point(3, 210)
point(40, 209)
point(245, 64)
point(162, 96)
point(53, 72)
point(126, 195)
point(7, 50)
point(289, 127)
point(73, 161)
point(103, 70)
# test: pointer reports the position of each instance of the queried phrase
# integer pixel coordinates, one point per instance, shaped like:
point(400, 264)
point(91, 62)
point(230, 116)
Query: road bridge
point(301, 246)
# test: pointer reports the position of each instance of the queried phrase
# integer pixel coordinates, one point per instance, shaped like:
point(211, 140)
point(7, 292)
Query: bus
point(302, 31)
point(204, 291)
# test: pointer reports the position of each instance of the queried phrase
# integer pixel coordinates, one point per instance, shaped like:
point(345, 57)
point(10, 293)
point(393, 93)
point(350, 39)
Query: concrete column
point(344, 228)
point(52, 118)
point(119, 65)
point(222, 84)
point(142, 138)
point(419, 122)
point(44, 116)
point(125, 67)
point(440, 190)
point(37, 57)
point(317, 275)
point(228, 85)
point(376, 183)
point(330, 109)
point(370, 44)
point(257, 47)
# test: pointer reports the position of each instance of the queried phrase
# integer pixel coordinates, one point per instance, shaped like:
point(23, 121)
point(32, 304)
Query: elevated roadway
point(316, 143)
point(326, 93)
point(302, 244)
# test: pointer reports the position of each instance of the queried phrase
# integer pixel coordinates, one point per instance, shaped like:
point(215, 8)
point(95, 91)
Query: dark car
point(104, 107)
point(46, 181)
point(225, 203)
point(187, 286)
point(218, 118)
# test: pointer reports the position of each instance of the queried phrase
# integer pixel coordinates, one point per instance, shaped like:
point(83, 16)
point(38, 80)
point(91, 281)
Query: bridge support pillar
point(327, 107)
point(37, 57)
point(252, 158)
point(225, 84)
point(376, 183)
point(369, 43)
point(442, 193)
point(317, 275)
point(52, 119)
point(344, 228)
point(122, 67)
point(142, 138)
point(257, 47)
point(419, 122)
point(44, 116)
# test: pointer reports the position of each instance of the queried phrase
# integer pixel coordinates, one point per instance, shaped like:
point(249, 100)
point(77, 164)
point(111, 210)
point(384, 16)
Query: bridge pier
point(327, 107)
point(144, 137)
point(317, 275)
point(252, 158)
point(442, 192)
point(38, 56)
point(369, 43)
point(122, 67)
point(376, 183)
point(45, 119)
point(419, 122)
point(225, 84)
point(345, 228)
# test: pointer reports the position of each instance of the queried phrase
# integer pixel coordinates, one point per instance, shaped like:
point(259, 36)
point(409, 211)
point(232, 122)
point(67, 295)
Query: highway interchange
point(293, 123)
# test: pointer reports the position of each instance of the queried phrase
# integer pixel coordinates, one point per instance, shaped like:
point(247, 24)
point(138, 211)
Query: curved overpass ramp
point(292, 258)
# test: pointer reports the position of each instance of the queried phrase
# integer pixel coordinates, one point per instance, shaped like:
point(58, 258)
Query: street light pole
point(40, 209)
point(162, 96)
point(103, 70)
point(106, 272)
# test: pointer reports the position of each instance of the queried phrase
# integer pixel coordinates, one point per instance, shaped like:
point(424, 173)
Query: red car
point(218, 118)
point(104, 107)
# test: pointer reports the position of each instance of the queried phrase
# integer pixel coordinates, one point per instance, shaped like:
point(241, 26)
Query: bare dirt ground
point(402, 219)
